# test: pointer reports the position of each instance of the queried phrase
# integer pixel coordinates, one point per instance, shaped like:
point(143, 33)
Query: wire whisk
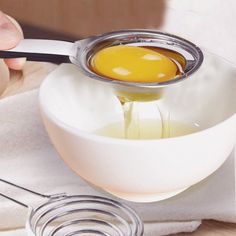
point(70, 215)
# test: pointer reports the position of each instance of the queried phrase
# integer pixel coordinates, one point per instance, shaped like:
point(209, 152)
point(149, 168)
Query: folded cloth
point(28, 158)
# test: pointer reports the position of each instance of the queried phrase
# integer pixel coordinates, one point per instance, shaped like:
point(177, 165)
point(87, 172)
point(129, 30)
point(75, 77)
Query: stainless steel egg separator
point(69, 215)
point(80, 53)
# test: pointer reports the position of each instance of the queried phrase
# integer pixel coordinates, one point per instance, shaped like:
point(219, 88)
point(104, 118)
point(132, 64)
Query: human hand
point(10, 35)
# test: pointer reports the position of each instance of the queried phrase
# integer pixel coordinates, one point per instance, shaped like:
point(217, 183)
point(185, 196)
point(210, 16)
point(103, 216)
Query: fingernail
point(20, 62)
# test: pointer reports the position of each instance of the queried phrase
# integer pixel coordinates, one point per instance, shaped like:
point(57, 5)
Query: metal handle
point(41, 50)
point(26, 190)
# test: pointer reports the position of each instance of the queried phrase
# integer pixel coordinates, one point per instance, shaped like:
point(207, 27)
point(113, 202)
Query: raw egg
point(133, 64)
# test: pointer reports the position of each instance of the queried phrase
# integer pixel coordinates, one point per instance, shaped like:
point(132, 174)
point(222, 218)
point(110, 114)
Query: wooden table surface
point(31, 77)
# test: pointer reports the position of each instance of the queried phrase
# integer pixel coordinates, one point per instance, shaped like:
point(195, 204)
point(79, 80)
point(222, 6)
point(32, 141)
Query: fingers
point(4, 76)
point(10, 35)
point(16, 24)
point(15, 64)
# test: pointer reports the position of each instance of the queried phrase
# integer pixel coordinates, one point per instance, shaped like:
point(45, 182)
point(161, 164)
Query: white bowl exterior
point(139, 167)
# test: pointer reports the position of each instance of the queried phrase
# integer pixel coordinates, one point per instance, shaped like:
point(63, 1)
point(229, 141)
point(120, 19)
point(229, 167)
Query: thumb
point(10, 35)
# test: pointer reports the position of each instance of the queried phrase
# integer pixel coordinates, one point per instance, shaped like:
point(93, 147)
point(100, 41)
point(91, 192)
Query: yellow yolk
point(133, 64)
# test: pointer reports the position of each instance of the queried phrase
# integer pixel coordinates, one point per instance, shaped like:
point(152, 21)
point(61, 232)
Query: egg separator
point(68, 215)
point(80, 53)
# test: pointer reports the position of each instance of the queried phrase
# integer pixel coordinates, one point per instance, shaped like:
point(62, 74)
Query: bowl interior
point(206, 98)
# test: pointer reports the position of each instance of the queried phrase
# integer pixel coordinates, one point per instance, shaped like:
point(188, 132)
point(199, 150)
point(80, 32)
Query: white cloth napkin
point(28, 158)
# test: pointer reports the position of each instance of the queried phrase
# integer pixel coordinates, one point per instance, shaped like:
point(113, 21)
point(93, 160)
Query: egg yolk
point(133, 64)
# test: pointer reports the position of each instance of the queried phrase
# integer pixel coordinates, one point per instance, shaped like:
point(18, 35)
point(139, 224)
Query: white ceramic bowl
point(73, 107)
